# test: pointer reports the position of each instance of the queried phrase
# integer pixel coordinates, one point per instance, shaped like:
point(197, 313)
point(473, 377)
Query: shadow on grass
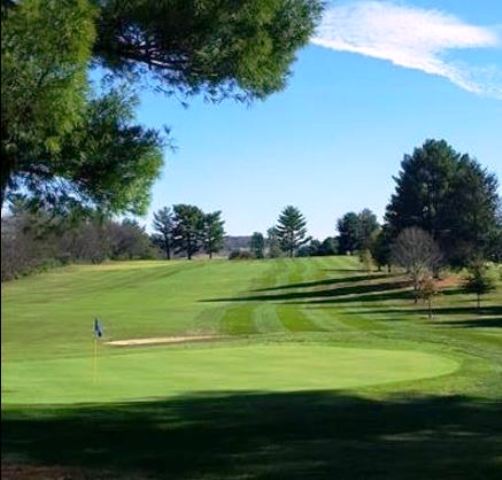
point(267, 435)
point(319, 283)
point(475, 323)
point(358, 291)
point(483, 311)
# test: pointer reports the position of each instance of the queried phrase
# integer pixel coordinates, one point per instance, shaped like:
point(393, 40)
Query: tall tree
point(448, 195)
point(273, 244)
point(471, 214)
point(212, 232)
point(218, 48)
point(367, 226)
point(257, 245)
point(328, 246)
point(163, 224)
point(380, 248)
point(188, 226)
point(129, 240)
point(416, 251)
point(291, 230)
point(348, 233)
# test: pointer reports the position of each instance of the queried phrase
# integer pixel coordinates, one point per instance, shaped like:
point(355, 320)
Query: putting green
point(162, 372)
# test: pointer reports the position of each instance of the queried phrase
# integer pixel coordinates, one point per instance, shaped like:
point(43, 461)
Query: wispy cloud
point(414, 38)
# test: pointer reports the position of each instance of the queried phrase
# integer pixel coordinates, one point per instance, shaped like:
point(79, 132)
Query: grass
point(322, 371)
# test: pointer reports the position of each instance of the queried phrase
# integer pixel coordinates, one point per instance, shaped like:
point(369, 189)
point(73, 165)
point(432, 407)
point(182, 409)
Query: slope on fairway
point(167, 372)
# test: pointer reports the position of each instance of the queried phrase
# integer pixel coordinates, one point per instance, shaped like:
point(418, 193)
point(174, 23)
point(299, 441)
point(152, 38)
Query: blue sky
point(361, 95)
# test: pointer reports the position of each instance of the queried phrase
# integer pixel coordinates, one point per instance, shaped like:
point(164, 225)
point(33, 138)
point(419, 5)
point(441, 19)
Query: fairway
point(301, 357)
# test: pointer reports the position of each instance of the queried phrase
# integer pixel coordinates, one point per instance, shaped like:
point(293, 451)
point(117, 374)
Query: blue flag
point(98, 328)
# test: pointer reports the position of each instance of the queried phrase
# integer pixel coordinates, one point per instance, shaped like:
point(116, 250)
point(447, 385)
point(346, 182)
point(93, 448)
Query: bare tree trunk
point(479, 301)
point(430, 309)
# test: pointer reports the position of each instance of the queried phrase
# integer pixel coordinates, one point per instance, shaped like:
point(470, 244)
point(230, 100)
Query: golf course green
point(297, 367)
point(165, 373)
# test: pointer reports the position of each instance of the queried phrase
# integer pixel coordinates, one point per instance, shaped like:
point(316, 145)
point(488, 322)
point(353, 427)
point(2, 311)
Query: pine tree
point(479, 281)
point(291, 230)
point(188, 227)
point(257, 245)
point(163, 224)
point(212, 232)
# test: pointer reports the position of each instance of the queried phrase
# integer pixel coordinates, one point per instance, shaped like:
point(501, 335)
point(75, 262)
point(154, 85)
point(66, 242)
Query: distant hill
point(236, 242)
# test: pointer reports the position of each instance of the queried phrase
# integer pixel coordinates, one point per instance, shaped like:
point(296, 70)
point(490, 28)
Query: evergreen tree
point(241, 49)
point(212, 232)
point(257, 245)
point(291, 230)
point(480, 280)
point(218, 48)
point(328, 247)
point(348, 233)
point(450, 196)
point(380, 248)
point(188, 228)
point(367, 226)
point(163, 224)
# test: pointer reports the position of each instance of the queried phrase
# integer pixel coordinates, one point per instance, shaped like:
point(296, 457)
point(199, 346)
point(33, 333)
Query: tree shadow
point(489, 310)
point(358, 291)
point(349, 270)
point(475, 323)
point(328, 281)
point(256, 435)
point(385, 296)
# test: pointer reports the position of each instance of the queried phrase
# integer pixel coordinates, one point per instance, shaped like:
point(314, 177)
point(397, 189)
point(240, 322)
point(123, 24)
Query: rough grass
point(280, 398)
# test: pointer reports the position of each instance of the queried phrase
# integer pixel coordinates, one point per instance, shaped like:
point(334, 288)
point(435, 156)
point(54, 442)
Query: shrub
point(240, 255)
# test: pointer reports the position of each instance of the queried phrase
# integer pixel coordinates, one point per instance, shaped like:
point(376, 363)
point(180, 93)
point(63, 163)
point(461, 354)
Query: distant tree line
point(445, 211)
point(186, 230)
point(37, 239)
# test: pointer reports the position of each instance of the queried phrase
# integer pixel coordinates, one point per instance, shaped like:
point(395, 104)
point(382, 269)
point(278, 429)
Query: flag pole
point(95, 361)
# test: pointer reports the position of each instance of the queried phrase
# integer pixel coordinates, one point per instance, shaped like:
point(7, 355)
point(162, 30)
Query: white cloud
point(413, 38)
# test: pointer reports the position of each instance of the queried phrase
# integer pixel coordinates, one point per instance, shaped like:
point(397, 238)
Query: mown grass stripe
point(267, 319)
point(239, 320)
point(295, 320)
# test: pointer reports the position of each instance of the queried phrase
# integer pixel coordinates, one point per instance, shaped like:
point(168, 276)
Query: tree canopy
point(219, 47)
point(188, 224)
point(212, 232)
point(163, 224)
point(348, 230)
point(291, 230)
point(450, 196)
point(46, 47)
point(257, 245)
point(56, 143)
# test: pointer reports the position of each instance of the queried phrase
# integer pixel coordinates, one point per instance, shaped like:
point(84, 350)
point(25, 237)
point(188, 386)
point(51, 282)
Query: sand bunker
point(159, 340)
